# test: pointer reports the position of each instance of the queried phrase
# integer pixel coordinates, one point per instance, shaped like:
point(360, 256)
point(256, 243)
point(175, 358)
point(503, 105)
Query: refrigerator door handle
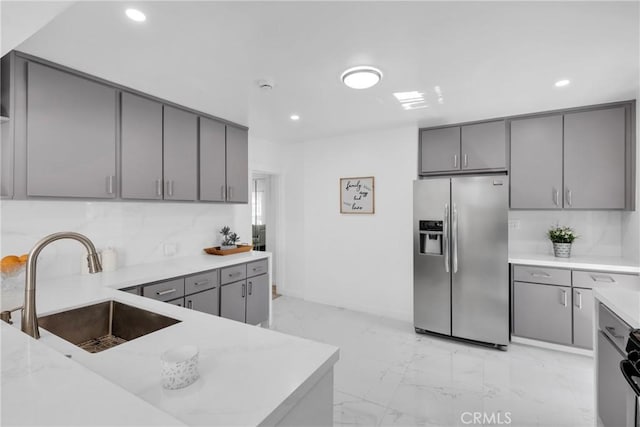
point(454, 238)
point(445, 236)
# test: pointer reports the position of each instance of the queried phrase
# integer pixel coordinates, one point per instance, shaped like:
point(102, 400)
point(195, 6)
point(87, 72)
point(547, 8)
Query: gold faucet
point(29, 318)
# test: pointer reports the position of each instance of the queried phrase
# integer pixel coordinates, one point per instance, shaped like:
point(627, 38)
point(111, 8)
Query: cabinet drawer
point(200, 282)
point(135, 290)
point(165, 291)
point(614, 327)
point(594, 279)
point(233, 274)
point(546, 275)
point(257, 267)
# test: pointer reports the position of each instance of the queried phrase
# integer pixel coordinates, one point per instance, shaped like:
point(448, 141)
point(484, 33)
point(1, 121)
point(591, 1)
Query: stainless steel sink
point(101, 326)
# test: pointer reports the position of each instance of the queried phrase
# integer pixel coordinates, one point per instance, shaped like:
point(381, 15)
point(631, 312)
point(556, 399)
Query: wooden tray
point(217, 251)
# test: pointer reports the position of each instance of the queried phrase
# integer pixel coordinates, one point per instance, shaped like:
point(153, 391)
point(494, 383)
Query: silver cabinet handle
point(564, 297)
point(235, 274)
point(465, 161)
point(230, 193)
point(569, 200)
point(579, 300)
point(445, 235)
point(556, 197)
point(167, 192)
point(110, 184)
point(540, 275)
point(167, 292)
point(454, 237)
point(222, 195)
point(255, 269)
point(159, 187)
point(243, 290)
point(455, 160)
point(204, 282)
point(602, 278)
point(250, 288)
point(190, 304)
point(171, 188)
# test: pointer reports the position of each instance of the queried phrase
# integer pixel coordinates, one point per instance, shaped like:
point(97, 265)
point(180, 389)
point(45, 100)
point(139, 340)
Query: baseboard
point(551, 346)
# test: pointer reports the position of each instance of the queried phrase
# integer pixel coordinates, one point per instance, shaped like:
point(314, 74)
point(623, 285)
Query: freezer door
point(480, 269)
point(431, 281)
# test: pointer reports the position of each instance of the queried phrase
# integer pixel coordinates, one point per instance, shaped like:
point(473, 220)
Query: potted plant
point(230, 239)
point(562, 238)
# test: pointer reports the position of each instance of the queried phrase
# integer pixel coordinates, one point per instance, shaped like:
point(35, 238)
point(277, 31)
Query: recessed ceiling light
point(136, 15)
point(362, 77)
point(563, 82)
point(295, 117)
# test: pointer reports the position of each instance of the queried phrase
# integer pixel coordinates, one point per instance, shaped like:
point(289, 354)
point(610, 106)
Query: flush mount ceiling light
point(294, 117)
point(362, 77)
point(562, 83)
point(135, 15)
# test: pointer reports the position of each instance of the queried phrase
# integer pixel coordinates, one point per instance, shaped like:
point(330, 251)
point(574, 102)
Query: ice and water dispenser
point(431, 237)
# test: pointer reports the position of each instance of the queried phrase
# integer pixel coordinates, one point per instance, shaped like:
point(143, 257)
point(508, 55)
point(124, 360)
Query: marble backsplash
point(600, 232)
point(139, 232)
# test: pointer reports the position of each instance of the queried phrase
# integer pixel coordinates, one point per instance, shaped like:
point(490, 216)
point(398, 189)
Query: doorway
point(264, 219)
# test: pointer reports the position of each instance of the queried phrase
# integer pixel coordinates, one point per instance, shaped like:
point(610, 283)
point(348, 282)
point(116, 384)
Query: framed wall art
point(357, 195)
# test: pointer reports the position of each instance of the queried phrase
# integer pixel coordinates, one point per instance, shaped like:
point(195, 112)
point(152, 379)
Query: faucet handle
point(5, 315)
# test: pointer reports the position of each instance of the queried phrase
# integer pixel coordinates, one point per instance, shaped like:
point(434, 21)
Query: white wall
point(631, 220)
point(362, 262)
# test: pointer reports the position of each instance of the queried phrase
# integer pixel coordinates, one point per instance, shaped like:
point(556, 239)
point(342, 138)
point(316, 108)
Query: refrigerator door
point(480, 269)
point(432, 280)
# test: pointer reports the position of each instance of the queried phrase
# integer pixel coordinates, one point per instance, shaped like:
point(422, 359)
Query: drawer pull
point(535, 274)
point(204, 282)
point(257, 269)
point(167, 292)
point(235, 274)
point(601, 278)
point(612, 332)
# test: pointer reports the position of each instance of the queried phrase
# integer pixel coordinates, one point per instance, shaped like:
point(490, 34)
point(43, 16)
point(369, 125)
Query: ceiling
point(489, 59)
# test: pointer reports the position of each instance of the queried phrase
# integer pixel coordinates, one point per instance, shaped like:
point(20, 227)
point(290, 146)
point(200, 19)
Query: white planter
point(562, 250)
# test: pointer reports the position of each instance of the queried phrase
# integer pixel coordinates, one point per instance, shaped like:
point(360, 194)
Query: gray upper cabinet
point(594, 159)
point(258, 299)
point(536, 163)
point(440, 150)
point(237, 165)
point(71, 142)
point(180, 154)
point(141, 145)
point(484, 146)
point(213, 181)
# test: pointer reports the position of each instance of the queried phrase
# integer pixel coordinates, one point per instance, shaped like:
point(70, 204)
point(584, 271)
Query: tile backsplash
point(139, 232)
point(600, 231)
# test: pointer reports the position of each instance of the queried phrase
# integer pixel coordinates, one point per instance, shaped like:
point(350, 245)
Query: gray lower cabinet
point(440, 150)
point(594, 159)
point(206, 302)
point(233, 301)
point(583, 318)
point(180, 154)
point(141, 148)
point(71, 135)
point(536, 163)
point(257, 299)
point(484, 146)
point(237, 167)
point(178, 301)
point(542, 312)
point(213, 172)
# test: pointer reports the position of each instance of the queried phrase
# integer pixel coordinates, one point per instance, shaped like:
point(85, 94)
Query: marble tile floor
point(390, 376)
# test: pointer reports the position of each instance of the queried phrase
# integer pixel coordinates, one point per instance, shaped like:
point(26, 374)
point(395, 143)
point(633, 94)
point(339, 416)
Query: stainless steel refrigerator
point(461, 270)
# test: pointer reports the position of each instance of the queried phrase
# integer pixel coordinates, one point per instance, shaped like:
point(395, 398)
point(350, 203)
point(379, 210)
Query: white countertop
point(624, 302)
point(610, 264)
point(249, 375)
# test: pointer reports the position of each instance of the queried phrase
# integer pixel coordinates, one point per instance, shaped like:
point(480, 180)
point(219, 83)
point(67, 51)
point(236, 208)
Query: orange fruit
point(23, 258)
point(10, 263)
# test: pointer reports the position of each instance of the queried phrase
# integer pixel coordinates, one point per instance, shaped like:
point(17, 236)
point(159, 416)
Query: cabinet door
point(141, 145)
point(594, 159)
point(484, 146)
point(612, 388)
point(178, 301)
point(180, 154)
point(206, 302)
point(232, 300)
point(542, 312)
point(258, 299)
point(237, 165)
point(212, 160)
point(440, 150)
point(583, 307)
point(71, 128)
point(536, 163)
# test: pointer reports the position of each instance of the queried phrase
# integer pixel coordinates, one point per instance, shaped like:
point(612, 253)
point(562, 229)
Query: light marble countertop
point(249, 375)
point(610, 264)
point(624, 302)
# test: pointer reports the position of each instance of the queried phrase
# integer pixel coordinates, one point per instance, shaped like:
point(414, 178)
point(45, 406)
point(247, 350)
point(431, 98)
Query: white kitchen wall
point(600, 232)
point(631, 220)
point(361, 262)
point(139, 232)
